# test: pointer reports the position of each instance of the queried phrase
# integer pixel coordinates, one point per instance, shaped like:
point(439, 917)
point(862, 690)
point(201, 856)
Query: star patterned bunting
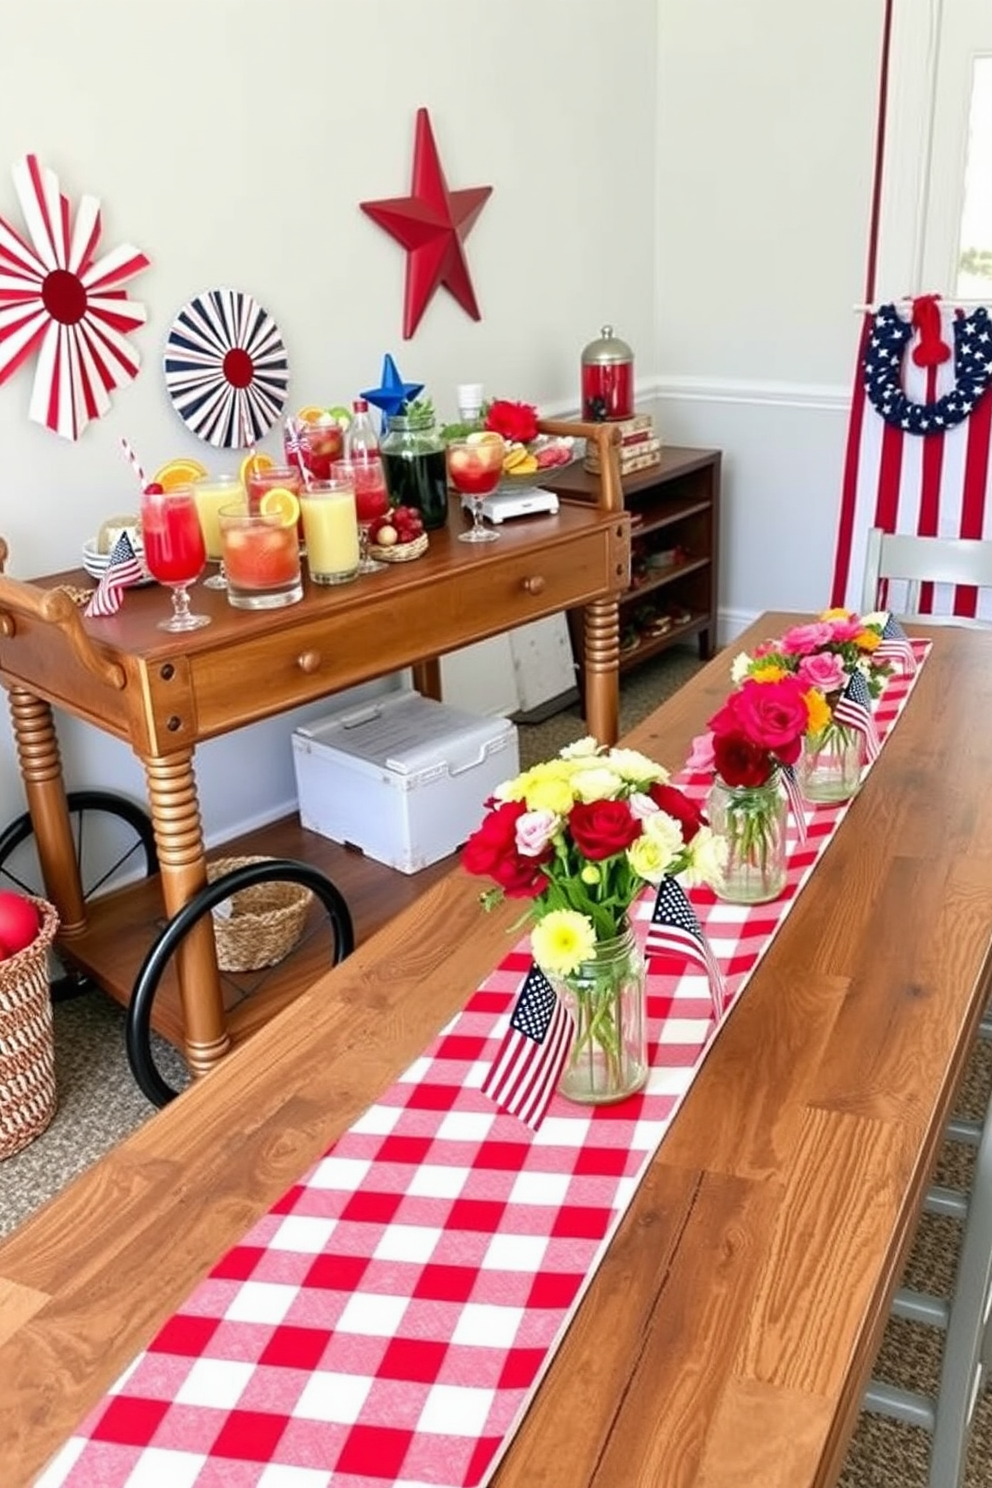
point(432, 224)
point(883, 364)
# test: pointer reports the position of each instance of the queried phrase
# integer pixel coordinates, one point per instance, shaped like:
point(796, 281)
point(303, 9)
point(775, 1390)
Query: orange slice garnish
point(311, 414)
point(254, 465)
point(179, 472)
point(280, 502)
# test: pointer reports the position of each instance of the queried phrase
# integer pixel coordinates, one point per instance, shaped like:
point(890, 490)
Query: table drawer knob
point(308, 661)
point(534, 584)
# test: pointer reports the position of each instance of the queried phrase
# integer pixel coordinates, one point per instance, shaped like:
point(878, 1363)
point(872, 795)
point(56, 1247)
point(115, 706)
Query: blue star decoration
point(432, 224)
point(393, 393)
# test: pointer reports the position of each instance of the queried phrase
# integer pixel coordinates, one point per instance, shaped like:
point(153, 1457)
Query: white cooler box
point(402, 777)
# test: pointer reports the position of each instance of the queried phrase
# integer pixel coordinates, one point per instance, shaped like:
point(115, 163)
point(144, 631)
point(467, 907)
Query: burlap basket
point(27, 1044)
point(257, 927)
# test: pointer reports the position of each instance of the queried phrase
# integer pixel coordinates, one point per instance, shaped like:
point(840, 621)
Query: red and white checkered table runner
point(389, 1320)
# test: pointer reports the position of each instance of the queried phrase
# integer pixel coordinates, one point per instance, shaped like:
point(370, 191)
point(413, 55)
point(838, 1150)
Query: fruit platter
point(524, 464)
point(397, 535)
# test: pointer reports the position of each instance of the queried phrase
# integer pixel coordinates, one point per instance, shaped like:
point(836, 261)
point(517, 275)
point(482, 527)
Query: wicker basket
point(257, 927)
point(400, 552)
point(27, 1045)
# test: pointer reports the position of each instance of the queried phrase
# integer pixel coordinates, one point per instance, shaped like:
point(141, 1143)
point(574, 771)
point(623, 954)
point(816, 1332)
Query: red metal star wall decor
point(432, 224)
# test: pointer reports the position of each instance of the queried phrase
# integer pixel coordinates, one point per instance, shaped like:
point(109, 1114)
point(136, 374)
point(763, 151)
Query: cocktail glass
point(262, 559)
point(174, 550)
point(475, 465)
point(371, 500)
point(314, 447)
point(212, 492)
point(331, 530)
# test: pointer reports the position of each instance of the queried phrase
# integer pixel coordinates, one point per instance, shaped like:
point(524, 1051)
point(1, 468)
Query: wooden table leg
point(175, 813)
point(427, 678)
point(41, 770)
point(601, 669)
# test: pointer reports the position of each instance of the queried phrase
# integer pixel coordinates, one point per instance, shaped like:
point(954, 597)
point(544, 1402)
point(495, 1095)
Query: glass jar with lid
point(607, 378)
point(413, 459)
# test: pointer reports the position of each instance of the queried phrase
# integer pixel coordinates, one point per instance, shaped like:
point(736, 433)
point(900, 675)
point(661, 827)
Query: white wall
point(232, 141)
point(766, 131)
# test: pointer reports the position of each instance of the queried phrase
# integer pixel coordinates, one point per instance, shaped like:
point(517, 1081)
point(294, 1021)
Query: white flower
point(596, 784)
point(632, 765)
point(649, 858)
point(707, 858)
point(666, 831)
point(534, 830)
point(580, 749)
point(740, 666)
point(641, 806)
point(877, 620)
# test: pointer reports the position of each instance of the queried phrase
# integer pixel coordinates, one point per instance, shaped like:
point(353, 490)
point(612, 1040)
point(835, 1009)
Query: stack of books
point(640, 448)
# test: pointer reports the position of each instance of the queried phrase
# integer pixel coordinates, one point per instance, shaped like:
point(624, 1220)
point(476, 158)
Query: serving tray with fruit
point(524, 464)
point(398, 535)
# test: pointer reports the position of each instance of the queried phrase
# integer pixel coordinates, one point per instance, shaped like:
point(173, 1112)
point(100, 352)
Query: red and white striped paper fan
point(59, 300)
point(226, 370)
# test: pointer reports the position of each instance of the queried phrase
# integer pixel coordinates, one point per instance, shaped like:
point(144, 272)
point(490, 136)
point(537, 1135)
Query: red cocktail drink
point(261, 559)
point(475, 465)
point(175, 552)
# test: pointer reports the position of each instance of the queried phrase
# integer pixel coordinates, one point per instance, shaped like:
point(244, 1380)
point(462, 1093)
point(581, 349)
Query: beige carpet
point(99, 1104)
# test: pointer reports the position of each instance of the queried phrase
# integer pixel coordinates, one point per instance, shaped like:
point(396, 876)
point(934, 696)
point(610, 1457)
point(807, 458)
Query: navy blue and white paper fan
point(226, 370)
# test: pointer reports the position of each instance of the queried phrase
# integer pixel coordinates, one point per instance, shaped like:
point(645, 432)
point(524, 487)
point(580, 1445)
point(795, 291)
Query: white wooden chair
point(907, 562)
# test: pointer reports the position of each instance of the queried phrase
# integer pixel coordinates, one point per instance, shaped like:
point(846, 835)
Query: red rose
point(677, 804)
point(515, 421)
point(739, 761)
point(491, 851)
point(600, 829)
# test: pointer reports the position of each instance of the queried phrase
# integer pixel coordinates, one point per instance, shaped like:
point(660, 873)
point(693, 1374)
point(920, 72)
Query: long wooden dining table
point(729, 1331)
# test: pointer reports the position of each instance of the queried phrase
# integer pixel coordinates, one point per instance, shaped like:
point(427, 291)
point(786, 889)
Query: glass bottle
point(605, 996)
point(753, 820)
point(361, 443)
point(413, 459)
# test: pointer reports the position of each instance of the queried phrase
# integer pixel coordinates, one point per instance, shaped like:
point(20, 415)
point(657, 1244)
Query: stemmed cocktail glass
point(475, 465)
point(174, 549)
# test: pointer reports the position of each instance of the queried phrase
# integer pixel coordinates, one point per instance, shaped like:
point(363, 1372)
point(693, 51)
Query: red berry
point(154, 489)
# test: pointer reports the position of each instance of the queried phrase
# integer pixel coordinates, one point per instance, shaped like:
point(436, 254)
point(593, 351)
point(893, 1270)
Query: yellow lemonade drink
point(212, 492)
point(330, 528)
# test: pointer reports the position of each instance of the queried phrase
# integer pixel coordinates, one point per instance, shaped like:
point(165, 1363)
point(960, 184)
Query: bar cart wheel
point(113, 836)
point(137, 1029)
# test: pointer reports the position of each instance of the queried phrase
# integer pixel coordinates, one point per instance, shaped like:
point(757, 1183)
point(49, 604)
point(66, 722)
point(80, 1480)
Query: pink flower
point(701, 753)
point(825, 671)
point(534, 832)
point(770, 715)
point(801, 640)
point(845, 630)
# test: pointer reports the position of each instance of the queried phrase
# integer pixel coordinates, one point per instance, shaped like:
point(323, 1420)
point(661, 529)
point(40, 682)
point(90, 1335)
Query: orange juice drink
point(262, 559)
point(330, 528)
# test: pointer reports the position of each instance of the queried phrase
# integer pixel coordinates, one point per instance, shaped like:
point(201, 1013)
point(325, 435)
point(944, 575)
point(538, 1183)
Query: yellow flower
point(836, 614)
point(562, 941)
point(867, 640)
point(768, 671)
point(818, 709)
point(551, 795)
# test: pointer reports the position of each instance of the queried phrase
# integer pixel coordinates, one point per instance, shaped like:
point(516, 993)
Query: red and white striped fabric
point(931, 485)
point(390, 1318)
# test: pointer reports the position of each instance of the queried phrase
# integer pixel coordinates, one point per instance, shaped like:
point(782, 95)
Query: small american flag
point(675, 930)
point(533, 1052)
point(895, 646)
point(853, 708)
point(123, 569)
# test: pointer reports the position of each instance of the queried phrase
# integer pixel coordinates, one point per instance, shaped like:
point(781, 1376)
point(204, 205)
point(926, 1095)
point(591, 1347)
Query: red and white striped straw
point(134, 463)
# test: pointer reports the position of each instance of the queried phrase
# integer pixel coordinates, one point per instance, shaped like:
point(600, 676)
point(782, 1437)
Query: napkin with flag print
point(123, 569)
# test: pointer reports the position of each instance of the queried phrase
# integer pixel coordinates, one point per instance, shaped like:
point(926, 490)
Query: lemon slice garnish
point(280, 502)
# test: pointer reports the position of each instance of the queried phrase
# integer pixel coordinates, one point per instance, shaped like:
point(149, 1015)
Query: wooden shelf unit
point(675, 505)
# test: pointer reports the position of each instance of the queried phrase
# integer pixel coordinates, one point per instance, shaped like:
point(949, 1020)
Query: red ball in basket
point(19, 924)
